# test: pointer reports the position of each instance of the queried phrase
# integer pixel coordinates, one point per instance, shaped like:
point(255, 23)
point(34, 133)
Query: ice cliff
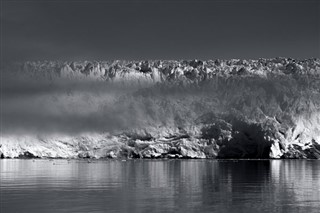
point(266, 108)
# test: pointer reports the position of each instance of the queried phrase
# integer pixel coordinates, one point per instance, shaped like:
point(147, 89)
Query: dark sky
point(154, 29)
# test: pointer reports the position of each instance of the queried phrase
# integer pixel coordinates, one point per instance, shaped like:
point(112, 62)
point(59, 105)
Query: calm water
point(160, 186)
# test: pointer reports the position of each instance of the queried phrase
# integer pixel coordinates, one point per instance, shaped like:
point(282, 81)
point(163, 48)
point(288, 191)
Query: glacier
point(264, 108)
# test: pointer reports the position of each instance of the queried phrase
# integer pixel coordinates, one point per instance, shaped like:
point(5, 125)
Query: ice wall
point(266, 108)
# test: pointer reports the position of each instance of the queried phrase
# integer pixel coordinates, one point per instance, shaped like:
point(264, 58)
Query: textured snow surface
point(266, 108)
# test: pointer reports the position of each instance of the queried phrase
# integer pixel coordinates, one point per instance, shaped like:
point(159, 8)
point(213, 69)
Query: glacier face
point(266, 108)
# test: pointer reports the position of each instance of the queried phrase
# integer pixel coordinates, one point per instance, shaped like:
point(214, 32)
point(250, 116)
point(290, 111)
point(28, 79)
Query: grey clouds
point(106, 30)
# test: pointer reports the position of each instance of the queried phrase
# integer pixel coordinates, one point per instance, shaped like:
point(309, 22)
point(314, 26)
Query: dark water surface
point(160, 186)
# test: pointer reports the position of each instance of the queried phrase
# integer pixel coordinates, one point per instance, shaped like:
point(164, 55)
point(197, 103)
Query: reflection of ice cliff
point(195, 109)
point(264, 186)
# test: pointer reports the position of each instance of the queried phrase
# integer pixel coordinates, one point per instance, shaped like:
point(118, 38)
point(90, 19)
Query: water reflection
point(160, 186)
